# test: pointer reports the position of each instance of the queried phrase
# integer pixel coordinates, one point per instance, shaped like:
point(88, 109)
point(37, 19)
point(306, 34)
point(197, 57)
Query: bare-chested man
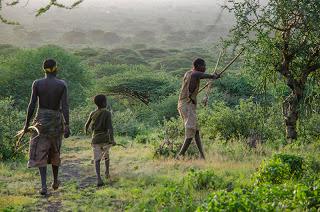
point(188, 102)
point(52, 97)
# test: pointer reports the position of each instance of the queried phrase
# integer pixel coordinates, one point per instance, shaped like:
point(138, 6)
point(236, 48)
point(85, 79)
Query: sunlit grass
point(136, 177)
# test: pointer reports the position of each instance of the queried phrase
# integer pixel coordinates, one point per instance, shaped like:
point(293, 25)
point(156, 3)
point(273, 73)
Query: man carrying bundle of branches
point(188, 102)
point(49, 123)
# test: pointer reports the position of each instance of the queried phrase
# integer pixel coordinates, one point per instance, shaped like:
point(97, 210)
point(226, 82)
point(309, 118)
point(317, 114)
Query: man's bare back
point(52, 94)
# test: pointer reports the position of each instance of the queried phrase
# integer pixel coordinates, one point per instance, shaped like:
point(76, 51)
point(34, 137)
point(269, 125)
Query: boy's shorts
point(101, 151)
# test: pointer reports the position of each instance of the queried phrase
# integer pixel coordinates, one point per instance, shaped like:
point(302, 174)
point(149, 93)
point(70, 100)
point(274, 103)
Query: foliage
point(11, 122)
point(21, 69)
point(286, 30)
point(232, 88)
point(295, 163)
point(78, 118)
point(244, 120)
point(40, 11)
point(140, 83)
point(279, 168)
point(274, 171)
point(174, 197)
point(203, 180)
point(265, 198)
point(171, 134)
point(125, 123)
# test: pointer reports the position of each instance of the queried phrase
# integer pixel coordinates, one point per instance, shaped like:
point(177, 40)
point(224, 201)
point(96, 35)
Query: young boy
point(102, 135)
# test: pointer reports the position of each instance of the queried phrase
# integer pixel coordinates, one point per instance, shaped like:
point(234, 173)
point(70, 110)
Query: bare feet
point(100, 183)
point(107, 175)
point(43, 191)
point(55, 185)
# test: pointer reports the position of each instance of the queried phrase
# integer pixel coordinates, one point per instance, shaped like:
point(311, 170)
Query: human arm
point(65, 111)
point(110, 128)
point(31, 106)
point(86, 126)
point(196, 75)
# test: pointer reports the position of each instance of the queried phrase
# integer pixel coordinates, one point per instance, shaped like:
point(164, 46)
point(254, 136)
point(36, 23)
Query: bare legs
point(185, 146)
point(43, 176)
point(55, 172)
point(187, 143)
point(107, 163)
point(199, 144)
point(97, 167)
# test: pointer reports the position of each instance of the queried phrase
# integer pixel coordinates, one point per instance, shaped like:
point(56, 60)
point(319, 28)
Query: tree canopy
point(282, 39)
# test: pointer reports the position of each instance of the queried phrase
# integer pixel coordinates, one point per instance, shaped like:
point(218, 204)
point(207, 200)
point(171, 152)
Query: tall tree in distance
point(40, 11)
point(282, 41)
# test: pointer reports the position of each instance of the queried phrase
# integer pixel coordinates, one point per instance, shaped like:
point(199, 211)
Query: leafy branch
point(40, 11)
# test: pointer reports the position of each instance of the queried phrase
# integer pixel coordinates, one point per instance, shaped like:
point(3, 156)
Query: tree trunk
point(290, 112)
point(291, 108)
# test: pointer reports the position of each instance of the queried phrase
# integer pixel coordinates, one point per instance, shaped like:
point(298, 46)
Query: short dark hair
point(49, 63)
point(100, 100)
point(198, 62)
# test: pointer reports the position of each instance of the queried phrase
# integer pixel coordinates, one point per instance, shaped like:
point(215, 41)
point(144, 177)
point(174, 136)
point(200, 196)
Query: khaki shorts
point(44, 150)
point(188, 114)
point(101, 151)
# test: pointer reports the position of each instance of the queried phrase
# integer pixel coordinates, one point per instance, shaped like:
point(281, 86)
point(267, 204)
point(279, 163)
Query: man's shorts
point(101, 151)
point(44, 150)
point(188, 114)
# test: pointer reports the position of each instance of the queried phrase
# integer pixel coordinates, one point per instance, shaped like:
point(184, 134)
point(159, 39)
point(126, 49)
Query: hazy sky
point(127, 18)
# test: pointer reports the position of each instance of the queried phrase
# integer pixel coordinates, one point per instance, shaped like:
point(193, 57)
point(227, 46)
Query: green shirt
point(101, 125)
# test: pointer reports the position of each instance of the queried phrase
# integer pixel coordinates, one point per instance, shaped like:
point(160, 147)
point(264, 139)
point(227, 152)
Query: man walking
point(188, 102)
point(51, 120)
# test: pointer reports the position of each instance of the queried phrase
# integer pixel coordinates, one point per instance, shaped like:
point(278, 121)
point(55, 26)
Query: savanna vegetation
point(260, 127)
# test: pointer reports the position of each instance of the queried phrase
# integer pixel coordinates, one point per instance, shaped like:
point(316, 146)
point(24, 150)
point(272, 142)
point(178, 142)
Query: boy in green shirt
point(102, 135)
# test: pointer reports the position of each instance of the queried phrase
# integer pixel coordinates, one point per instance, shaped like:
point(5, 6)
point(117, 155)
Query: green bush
point(172, 140)
point(11, 121)
point(174, 198)
point(139, 83)
point(203, 180)
point(78, 118)
point(295, 163)
point(309, 128)
point(22, 68)
point(265, 198)
point(280, 168)
point(125, 123)
point(245, 120)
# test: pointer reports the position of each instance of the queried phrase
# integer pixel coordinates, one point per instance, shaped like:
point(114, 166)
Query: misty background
point(119, 23)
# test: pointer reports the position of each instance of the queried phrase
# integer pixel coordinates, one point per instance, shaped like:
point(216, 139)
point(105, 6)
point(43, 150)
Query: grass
point(138, 181)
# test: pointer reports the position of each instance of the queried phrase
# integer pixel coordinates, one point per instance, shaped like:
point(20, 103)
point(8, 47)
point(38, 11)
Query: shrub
point(20, 70)
point(173, 198)
point(11, 122)
point(172, 134)
point(125, 123)
point(203, 180)
point(283, 197)
point(279, 168)
point(78, 118)
point(295, 163)
point(273, 171)
point(245, 120)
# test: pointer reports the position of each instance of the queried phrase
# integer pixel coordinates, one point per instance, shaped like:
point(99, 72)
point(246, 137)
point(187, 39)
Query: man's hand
point(216, 76)
point(66, 131)
point(26, 128)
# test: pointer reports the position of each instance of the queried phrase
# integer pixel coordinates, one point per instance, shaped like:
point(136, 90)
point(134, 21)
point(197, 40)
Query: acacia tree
point(282, 41)
point(40, 11)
